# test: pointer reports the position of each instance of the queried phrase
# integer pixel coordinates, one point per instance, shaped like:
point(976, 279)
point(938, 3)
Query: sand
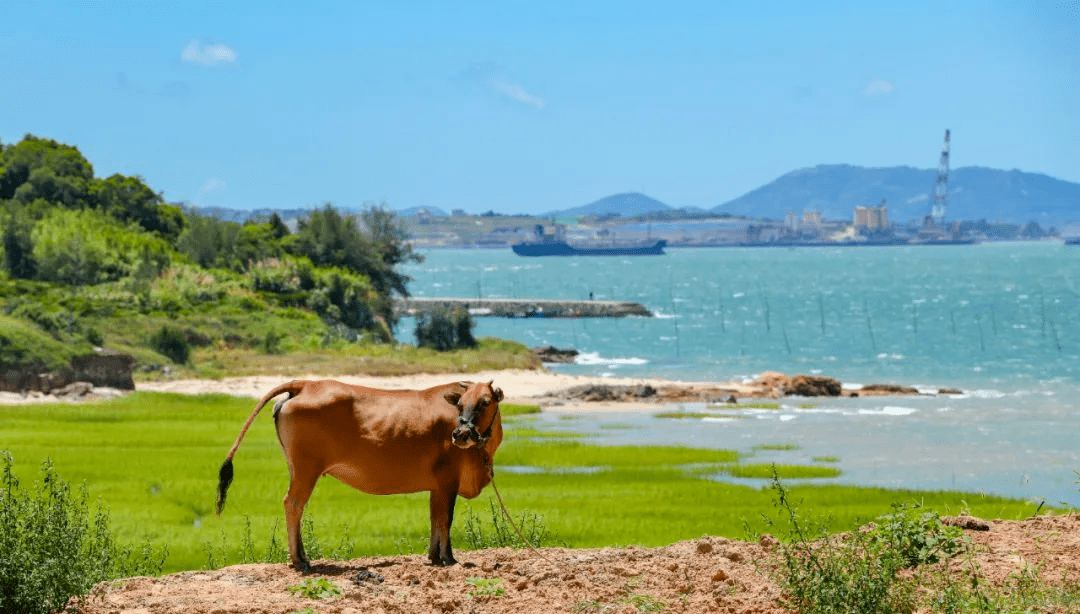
point(519, 386)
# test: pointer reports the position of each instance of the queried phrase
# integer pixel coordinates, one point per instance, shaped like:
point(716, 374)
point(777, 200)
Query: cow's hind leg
point(442, 516)
point(300, 488)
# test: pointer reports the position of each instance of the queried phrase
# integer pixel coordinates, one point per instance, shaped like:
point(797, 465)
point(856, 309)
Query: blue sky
point(534, 106)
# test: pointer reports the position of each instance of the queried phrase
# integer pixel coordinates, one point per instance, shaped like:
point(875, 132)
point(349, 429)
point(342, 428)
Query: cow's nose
point(461, 437)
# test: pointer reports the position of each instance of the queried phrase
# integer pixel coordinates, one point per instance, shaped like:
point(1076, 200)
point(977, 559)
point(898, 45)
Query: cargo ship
point(554, 244)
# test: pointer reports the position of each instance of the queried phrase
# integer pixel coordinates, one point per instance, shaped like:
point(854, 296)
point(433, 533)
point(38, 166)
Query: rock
point(33, 377)
point(771, 384)
point(102, 368)
point(74, 390)
point(950, 391)
point(964, 521)
point(553, 354)
point(887, 389)
point(105, 368)
point(813, 386)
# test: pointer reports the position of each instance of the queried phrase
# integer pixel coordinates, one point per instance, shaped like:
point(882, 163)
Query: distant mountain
point(243, 215)
point(974, 193)
point(413, 211)
point(626, 205)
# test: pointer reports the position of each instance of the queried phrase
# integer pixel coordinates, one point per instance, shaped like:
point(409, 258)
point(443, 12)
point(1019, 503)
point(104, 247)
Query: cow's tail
point(225, 474)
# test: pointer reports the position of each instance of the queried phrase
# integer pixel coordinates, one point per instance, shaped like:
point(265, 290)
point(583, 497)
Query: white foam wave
point(889, 410)
point(594, 358)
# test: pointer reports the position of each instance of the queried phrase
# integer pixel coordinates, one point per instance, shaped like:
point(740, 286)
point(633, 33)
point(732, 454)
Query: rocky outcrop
point(813, 386)
point(770, 385)
point(103, 368)
point(552, 354)
point(871, 390)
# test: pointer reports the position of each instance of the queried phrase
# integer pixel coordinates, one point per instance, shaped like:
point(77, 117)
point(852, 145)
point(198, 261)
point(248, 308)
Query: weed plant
point(501, 534)
point(316, 588)
point(901, 562)
point(836, 574)
point(52, 548)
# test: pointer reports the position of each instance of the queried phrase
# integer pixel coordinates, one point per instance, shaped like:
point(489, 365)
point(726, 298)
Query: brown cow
point(383, 442)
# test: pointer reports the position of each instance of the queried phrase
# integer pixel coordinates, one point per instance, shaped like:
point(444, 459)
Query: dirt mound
point(710, 574)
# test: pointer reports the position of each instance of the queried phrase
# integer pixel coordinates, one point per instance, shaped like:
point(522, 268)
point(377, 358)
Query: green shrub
point(914, 536)
point(445, 330)
point(23, 344)
point(172, 343)
point(83, 247)
point(837, 574)
point(51, 549)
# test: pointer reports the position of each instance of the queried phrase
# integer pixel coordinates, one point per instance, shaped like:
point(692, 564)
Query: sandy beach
point(552, 391)
point(519, 386)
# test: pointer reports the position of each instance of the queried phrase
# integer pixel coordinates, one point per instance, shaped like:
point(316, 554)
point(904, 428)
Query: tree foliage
point(444, 330)
point(84, 248)
point(60, 224)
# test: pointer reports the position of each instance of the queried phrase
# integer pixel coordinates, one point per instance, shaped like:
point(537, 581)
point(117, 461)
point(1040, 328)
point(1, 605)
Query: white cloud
point(208, 54)
point(514, 92)
point(878, 87)
point(212, 186)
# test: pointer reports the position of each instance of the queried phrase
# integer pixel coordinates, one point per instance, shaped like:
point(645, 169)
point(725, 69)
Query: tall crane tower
point(941, 187)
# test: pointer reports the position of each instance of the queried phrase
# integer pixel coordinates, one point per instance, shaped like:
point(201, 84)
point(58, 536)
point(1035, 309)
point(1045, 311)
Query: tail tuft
point(225, 477)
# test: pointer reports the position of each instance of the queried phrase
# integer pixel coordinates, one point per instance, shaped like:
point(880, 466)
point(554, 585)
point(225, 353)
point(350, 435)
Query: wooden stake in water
point(783, 329)
point(915, 317)
point(1053, 329)
point(952, 318)
point(870, 327)
point(1042, 311)
point(982, 342)
point(720, 299)
point(821, 312)
point(768, 322)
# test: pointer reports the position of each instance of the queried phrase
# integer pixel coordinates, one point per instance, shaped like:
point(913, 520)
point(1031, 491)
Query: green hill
point(91, 261)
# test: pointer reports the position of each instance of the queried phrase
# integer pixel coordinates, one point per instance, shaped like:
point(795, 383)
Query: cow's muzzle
point(465, 436)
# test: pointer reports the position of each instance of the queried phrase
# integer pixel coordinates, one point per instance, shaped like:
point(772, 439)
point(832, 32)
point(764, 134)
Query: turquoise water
point(999, 321)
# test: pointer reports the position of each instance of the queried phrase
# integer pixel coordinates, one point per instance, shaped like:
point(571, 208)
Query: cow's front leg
point(442, 516)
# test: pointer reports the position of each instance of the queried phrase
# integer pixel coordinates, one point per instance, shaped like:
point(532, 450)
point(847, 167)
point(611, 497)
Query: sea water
point(1000, 322)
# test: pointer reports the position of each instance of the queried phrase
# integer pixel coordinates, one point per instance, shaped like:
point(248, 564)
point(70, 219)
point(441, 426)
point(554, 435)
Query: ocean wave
point(889, 410)
point(594, 358)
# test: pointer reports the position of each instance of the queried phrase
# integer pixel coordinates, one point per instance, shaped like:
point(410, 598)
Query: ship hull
point(560, 248)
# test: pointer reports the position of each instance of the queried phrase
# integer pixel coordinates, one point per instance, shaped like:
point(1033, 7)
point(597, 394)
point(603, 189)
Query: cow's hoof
point(301, 566)
point(443, 562)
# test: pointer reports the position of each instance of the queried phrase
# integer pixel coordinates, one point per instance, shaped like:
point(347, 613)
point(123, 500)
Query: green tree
point(278, 227)
point(129, 199)
point(329, 239)
point(209, 242)
point(389, 238)
point(214, 243)
point(61, 170)
point(18, 246)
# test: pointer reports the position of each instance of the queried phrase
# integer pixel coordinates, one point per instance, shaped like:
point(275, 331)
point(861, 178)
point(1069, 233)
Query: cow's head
point(478, 408)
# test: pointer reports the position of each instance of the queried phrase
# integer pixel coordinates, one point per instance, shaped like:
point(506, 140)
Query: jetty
point(523, 307)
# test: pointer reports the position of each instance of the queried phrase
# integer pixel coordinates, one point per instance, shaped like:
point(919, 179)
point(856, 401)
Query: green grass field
point(152, 459)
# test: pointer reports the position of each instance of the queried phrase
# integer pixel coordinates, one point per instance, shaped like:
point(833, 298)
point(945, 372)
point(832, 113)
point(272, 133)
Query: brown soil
point(710, 574)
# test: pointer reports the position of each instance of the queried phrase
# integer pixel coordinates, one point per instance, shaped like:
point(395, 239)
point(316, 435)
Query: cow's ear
point(452, 397)
point(497, 393)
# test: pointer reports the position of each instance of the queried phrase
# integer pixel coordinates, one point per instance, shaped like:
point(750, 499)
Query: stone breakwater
point(523, 308)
